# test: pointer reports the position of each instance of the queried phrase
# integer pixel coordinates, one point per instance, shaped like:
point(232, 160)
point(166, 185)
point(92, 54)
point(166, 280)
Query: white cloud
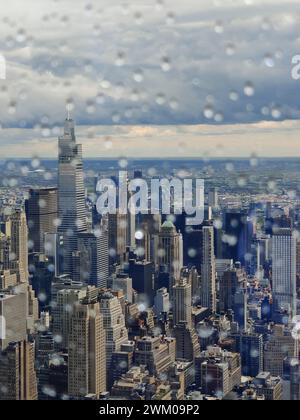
point(57, 50)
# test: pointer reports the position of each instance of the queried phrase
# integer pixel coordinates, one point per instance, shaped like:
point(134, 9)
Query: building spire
point(69, 116)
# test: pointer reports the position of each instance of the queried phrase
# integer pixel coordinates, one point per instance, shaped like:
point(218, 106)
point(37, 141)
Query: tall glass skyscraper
point(284, 270)
point(71, 194)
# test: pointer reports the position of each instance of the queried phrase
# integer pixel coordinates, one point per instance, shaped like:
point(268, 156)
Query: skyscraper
point(284, 271)
point(230, 282)
point(114, 325)
point(117, 237)
point(281, 345)
point(156, 353)
point(142, 273)
point(19, 244)
point(87, 356)
point(208, 271)
point(17, 374)
point(71, 193)
point(250, 346)
point(13, 309)
point(182, 306)
point(218, 371)
point(65, 303)
point(94, 259)
point(4, 252)
point(170, 251)
point(161, 303)
point(41, 212)
point(213, 199)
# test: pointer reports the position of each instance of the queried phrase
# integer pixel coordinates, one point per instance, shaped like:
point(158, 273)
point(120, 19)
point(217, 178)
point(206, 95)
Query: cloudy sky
point(151, 77)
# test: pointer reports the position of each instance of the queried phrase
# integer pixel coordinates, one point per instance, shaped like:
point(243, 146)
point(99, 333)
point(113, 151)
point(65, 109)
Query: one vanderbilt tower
point(71, 195)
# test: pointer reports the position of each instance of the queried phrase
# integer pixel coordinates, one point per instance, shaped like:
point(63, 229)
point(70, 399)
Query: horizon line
point(205, 158)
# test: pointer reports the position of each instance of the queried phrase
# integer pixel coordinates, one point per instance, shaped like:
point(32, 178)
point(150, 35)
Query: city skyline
point(149, 203)
point(90, 289)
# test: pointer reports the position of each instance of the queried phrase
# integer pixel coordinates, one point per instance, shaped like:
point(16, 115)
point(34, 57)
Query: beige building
point(65, 303)
point(281, 345)
point(125, 387)
point(17, 373)
point(269, 386)
point(218, 371)
point(4, 252)
point(87, 356)
point(115, 329)
point(13, 310)
point(19, 243)
point(42, 213)
point(7, 279)
point(156, 353)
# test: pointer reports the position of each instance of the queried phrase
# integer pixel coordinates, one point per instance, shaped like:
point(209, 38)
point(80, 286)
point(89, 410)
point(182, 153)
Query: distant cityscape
point(144, 307)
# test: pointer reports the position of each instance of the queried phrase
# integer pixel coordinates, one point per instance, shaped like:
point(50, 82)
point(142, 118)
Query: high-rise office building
point(13, 310)
point(156, 353)
point(41, 212)
point(122, 360)
point(93, 258)
point(4, 252)
point(114, 325)
point(170, 251)
point(240, 308)
point(17, 373)
point(19, 243)
point(239, 231)
point(71, 194)
point(218, 371)
point(213, 199)
point(142, 275)
point(284, 271)
point(271, 387)
point(161, 303)
point(230, 282)
point(251, 348)
point(280, 346)
point(64, 301)
point(182, 302)
point(187, 342)
point(87, 356)
point(122, 281)
point(117, 237)
point(208, 271)
point(41, 277)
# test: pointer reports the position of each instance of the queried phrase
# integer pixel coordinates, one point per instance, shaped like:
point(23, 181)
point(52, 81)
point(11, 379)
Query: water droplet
point(233, 96)
point(219, 117)
point(230, 49)
point(249, 89)
point(21, 36)
point(166, 64)
point(276, 113)
point(269, 60)
point(138, 18)
point(219, 28)
point(208, 112)
point(138, 76)
point(160, 99)
point(170, 20)
point(120, 60)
